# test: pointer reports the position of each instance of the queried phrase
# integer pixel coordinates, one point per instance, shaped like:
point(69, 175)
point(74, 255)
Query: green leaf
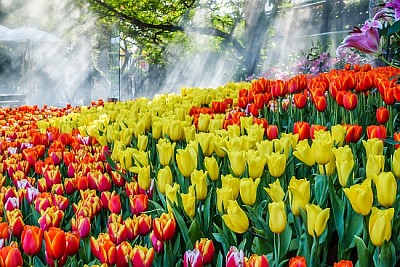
point(195, 232)
point(394, 28)
point(388, 255)
point(364, 256)
point(338, 210)
point(183, 228)
point(260, 246)
point(222, 238)
point(286, 238)
point(37, 262)
point(219, 260)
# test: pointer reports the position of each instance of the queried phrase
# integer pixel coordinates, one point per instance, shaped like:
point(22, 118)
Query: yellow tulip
point(322, 150)
point(186, 160)
point(204, 122)
point(164, 177)
point(338, 132)
point(275, 191)
point(189, 202)
point(396, 163)
point(233, 131)
point(375, 165)
point(288, 143)
point(380, 225)
point(189, 132)
point(206, 141)
point(220, 144)
point(343, 153)
point(126, 136)
point(265, 148)
point(236, 219)
point(256, 132)
point(277, 217)
point(211, 165)
point(141, 158)
point(344, 169)
point(156, 129)
point(144, 178)
point(125, 158)
point(245, 122)
point(142, 142)
point(373, 146)
point(299, 194)
point(386, 188)
point(255, 164)
point(198, 179)
point(175, 130)
point(360, 197)
point(316, 219)
point(139, 128)
point(165, 151)
point(224, 194)
point(231, 182)
point(248, 190)
point(294, 138)
point(170, 192)
point(329, 168)
point(276, 164)
point(303, 153)
point(237, 162)
point(215, 125)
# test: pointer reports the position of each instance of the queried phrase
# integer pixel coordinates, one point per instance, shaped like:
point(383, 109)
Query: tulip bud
point(257, 261)
point(164, 226)
point(11, 256)
point(189, 202)
point(396, 163)
point(380, 225)
point(302, 129)
point(199, 181)
point(238, 162)
point(165, 151)
point(72, 243)
point(322, 150)
point(138, 203)
point(386, 188)
point(211, 165)
point(123, 252)
point(248, 190)
point(55, 243)
point(31, 240)
point(277, 217)
point(276, 164)
point(233, 183)
point(144, 224)
point(304, 153)
point(186, 160)
point(382, 115)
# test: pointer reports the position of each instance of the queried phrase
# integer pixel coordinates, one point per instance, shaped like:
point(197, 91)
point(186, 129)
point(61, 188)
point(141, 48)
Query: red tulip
point(278, 89)
point(192, 258)
point(300, 100)
point(115, 203)
point(70, 185)
point(138, 203)
point(132, 228)
point(272, 132)
point(72, 243)
point(297, 261)
point(353, 133)
point(376, 131)
point(303, 129)
point(55, 243)
point(206, 247)
point(31, 240)
point(259, 100)
point(396, 137)
point(343, 263)
point(320, 103)
point(117, 233)
point(314, 128)
point(350, 101)
point(243, 101)
point(144, 222)
point(252, 109)
point(382, 115)
point(52, 217)
point(15, 221)
point(142, 256)
point(117, 179)
point(11, 256)
point(164, 226)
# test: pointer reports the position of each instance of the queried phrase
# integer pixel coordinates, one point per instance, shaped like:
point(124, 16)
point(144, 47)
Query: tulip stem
point(30, 260)
point(277, 245)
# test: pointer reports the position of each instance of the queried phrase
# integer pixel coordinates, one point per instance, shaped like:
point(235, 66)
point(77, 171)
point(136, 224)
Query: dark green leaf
point(364, 256)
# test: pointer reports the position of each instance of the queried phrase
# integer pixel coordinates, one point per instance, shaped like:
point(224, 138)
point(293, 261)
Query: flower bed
point(268, 172)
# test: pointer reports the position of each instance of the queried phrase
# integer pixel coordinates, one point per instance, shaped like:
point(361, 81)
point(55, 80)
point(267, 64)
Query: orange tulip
point(320, 103)
point(117, 232)
point(206, 248)
point(297, 261)
point(272, 132)
point(303, 129)
point(376, 131)
point(343, 263)
point(300, 100)
point(138, 203)
point(31, 240)
point(11, 256)
point(72, 243)
point(55, 243)
point(164, 226)
point(382, 115)
point(104, 249)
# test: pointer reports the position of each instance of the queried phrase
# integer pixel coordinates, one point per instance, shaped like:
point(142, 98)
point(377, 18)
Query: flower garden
point(300, 172)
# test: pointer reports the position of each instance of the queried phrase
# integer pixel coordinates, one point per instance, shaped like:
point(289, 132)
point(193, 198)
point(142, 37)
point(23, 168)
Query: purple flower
point(365, 39)
point(395, 4)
